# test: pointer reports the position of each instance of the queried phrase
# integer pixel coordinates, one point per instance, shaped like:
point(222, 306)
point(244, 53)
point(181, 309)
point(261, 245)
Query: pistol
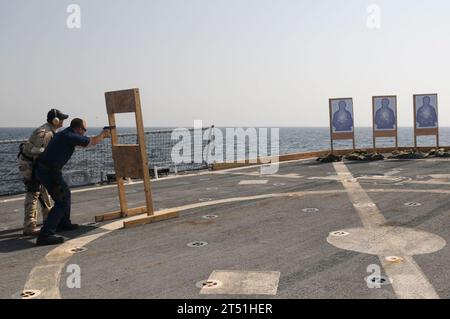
point(109, 127)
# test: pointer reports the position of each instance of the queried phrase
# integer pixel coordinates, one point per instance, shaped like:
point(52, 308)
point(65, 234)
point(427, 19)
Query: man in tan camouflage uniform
point(29, 152)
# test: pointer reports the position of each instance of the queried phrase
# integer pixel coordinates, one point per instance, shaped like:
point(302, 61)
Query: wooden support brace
point(119, 214)
point(157, 217)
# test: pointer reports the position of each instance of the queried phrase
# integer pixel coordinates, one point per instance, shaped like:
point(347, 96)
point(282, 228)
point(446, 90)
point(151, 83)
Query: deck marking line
point(48, 281)
point(221, 172)
point(409, 282)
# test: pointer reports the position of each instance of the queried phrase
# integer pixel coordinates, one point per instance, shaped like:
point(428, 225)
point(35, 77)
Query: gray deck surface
point(269, 236)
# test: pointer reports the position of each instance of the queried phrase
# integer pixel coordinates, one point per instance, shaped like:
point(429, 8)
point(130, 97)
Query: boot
point(68, 227)
point(46, 240)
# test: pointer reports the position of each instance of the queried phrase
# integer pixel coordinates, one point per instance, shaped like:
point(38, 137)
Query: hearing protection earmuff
point(56, 119)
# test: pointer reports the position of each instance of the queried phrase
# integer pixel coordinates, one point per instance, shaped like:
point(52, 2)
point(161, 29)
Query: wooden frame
point(426, 131)
point(130, 160)
point(384, 133)
point(340, 136)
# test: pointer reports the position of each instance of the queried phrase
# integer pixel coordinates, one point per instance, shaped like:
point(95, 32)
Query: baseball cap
point(56, 113)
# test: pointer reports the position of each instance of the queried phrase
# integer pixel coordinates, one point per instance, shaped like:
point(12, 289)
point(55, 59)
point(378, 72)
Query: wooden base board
point(119, 214)
point(160, 216)
point(267, 160)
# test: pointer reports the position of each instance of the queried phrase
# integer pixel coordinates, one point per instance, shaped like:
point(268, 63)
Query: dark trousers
point(59, 215)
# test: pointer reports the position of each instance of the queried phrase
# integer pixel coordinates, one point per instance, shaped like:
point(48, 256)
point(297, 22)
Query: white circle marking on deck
point(377, 239)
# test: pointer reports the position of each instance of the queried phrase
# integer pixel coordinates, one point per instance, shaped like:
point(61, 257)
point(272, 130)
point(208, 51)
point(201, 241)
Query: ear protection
point(56, 119)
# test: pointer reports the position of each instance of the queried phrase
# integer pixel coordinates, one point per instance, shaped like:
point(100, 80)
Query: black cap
point(56, 113)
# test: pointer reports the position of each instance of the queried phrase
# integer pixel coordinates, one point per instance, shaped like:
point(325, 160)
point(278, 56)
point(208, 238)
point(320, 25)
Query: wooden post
point(143, 152)
point(437, 139)
point(396, 128)
point(120, 182)
point(415, 122)
point(373, 126)
point(437, 123)
point(331, 126)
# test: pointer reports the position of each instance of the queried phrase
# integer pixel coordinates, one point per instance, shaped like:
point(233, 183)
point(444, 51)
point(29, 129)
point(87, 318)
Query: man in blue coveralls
point(48, 172)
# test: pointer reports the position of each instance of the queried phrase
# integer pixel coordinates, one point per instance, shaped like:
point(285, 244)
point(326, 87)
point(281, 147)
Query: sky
point(231, 63)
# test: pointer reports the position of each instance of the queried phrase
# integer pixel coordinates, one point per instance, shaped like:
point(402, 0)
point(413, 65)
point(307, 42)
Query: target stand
point(427, 131)
point(385, 132)
point(130, 161)
point(336, 135)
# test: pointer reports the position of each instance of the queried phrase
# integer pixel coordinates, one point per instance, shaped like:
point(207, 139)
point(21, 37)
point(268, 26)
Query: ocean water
point(292, 139)
point(98, 162)
point(20, 133)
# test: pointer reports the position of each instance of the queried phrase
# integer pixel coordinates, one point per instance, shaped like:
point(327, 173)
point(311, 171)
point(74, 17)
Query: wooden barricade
point(130, 160)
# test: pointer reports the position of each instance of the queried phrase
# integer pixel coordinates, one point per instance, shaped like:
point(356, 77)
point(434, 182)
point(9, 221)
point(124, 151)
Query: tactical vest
point(38, 141)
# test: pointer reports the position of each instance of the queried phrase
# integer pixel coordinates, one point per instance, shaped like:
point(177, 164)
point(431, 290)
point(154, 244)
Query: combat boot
point(68, 227)
point(47, 240)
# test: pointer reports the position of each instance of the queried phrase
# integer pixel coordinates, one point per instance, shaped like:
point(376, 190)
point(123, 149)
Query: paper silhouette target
point(385, 113)
point(342, 115)
point(426, 110)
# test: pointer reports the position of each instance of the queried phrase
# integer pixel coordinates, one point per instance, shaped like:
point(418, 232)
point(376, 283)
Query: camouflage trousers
point(35, 193)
